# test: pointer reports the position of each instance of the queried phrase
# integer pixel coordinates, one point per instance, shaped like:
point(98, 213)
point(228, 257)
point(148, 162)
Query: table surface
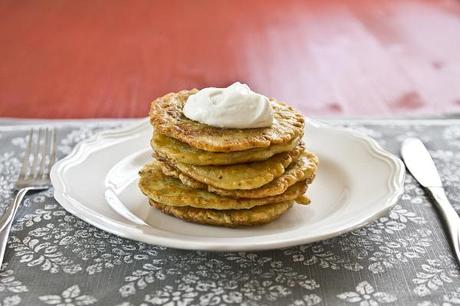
point(403, 258)
point(111, 58)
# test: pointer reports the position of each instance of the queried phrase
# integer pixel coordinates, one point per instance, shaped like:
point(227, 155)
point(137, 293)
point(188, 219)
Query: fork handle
point(4, 234)
point(10, 212)
point(7, 221)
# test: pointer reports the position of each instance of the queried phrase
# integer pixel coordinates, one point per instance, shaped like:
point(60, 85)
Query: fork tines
point(39, 156)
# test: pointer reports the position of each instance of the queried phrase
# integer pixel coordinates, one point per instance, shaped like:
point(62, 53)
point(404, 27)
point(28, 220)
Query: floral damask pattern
point(402, 258)
point(366, 295)
point(434, 273)
point(9, 169)
point(69, 297)
point(10, 288)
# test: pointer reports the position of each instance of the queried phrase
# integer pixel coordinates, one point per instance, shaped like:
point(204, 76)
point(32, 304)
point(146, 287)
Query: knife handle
point(449, 215)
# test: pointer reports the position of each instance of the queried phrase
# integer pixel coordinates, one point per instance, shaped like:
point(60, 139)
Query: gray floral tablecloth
point(53, 258)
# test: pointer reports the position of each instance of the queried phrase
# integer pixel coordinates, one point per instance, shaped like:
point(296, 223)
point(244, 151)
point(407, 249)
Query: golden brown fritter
point(228, 218)
point(169, 170)
point(178, 151)
point(170, 191)
point(300, 170)
point(240, 176)
point(167, 117)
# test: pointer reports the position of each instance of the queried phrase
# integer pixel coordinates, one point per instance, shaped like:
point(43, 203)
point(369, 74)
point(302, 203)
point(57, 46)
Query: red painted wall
point(111, 58)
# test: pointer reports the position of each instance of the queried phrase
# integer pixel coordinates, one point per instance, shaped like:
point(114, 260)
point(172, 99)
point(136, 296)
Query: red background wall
point(111, 58)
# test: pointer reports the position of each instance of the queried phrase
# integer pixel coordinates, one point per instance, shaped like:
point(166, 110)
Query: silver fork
point(38, 159)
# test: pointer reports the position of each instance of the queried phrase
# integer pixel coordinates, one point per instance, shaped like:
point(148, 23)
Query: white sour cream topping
point(236, 106)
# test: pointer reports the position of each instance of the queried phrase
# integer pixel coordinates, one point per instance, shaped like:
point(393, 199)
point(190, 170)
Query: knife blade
point(420, 164)
point(418, 161)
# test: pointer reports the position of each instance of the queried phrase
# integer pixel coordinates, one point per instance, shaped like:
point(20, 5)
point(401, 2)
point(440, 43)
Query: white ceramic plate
point(357, 182)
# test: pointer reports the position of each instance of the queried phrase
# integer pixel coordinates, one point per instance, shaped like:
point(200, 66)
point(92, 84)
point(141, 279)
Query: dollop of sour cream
point(236, 106)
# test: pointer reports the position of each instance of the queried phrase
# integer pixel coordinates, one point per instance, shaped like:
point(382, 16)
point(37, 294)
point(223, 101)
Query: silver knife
point(418, 161)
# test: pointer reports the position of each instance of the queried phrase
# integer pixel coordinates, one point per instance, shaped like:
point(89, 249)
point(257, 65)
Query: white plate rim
point(395, 184)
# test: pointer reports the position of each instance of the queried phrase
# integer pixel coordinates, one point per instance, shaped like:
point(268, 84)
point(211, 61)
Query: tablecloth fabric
point(403, 258)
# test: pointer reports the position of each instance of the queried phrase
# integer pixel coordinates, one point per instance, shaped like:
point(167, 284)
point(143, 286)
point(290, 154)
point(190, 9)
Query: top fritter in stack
point(221, 176)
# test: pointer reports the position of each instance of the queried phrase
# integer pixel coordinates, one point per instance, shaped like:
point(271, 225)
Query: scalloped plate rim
point(395, 185)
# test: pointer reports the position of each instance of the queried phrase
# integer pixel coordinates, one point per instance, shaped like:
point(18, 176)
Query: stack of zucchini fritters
point(226, 177)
